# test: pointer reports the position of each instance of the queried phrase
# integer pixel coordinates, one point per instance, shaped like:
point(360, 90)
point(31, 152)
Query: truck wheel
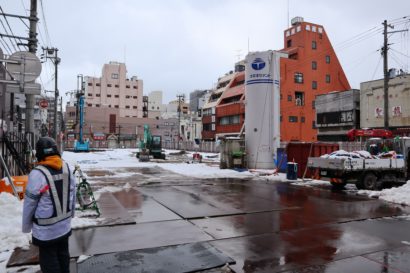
point(370, 182)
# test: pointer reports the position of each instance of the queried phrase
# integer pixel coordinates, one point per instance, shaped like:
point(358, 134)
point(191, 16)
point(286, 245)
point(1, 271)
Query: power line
point(341, 46)
point(11, 41)
point(45, 23)
point(11, 31)
point(407, 56)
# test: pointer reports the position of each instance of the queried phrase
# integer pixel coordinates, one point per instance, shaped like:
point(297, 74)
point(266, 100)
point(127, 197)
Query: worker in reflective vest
point(49, 205)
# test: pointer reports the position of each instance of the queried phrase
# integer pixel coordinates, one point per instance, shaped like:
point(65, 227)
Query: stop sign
point(43, 104)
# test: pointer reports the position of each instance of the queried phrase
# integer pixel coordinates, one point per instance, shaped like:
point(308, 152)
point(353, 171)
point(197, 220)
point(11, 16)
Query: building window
point(109, 85)
point(97, 105)
point(134, 107)
point(281, 118)
point(314, 46)
point(98, 95)
point(135, 87)
point(313, 124)
point(114, 76)
point(302, 119)
point(135, 97)
point(127, 86)
point(313, 104)
point(327, 78)
point(327, 59)
point(89, 104)
point(229, 120)
point(281, 96)
point(127, 97)
point(299, 98)
point(116, 106)
point(97, 84)
point(289, 97)
point(116, 96)
point(108, 95)
point(314, 65)
point(314, 84)
point(127, 107)
point(298, 77)
point(117, 86)
point(293, 119)
point(289, 43)
point(109, 106)
point(90, 95)
point(90, 84)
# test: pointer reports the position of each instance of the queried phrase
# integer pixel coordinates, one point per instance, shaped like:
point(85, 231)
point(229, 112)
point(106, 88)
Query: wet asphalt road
point(264, 227)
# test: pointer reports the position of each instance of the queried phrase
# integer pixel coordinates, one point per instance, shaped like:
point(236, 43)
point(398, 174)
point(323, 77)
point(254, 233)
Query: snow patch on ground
point(202, 170)
point(82, 258)
point(4, 257)
point(98, 193)
point(11, 211)
point(399, 195)
point(310, 183)
point(77, 222)
point(117, 158)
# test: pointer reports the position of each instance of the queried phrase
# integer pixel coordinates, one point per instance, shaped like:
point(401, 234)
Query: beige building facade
point(372, 103)
point(114, 90)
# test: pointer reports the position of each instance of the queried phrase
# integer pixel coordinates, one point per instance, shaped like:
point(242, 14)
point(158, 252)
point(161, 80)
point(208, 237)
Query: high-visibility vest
point(61, 208)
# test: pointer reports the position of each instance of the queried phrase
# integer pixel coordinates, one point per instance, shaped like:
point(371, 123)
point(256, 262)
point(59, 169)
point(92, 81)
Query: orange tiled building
point(311, 69)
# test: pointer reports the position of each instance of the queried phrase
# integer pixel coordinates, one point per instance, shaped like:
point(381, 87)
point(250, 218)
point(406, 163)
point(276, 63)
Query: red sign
point(43, 104)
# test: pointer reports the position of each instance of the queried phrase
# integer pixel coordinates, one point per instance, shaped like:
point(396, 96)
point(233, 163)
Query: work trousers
point(55, 258)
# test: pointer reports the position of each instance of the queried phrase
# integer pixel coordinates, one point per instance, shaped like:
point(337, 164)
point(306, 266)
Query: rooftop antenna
point(248, 44)
point(125, 54)
point(287, 23)
point(238, 54)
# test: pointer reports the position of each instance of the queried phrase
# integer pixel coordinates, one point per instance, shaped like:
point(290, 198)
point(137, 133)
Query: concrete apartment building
point(114, 90)
point(372, 103)
point(113, 106)
point(155, 105)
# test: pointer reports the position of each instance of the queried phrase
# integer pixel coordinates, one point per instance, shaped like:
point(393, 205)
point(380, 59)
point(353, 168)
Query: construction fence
point(206, 146)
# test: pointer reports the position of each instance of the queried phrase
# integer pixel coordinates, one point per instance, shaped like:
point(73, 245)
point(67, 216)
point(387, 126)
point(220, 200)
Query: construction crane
point(80, 144)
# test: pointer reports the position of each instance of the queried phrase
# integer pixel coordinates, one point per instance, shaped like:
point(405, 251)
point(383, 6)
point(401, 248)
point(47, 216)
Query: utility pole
point(52, 54)
point(32, 44)
point(119, 134)
point(181, 98)
point(385, 50)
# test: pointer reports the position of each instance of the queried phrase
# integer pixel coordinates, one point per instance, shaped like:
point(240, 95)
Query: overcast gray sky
point(178, 46)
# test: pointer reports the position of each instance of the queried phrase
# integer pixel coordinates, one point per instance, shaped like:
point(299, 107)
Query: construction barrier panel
point(20, 183)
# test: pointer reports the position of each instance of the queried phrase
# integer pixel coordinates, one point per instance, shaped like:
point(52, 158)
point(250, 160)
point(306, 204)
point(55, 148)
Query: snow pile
point(117, 158)
point(10, 229)
point(85, 222)
point(204, 171)
point(344, 154)
point(400, 195)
